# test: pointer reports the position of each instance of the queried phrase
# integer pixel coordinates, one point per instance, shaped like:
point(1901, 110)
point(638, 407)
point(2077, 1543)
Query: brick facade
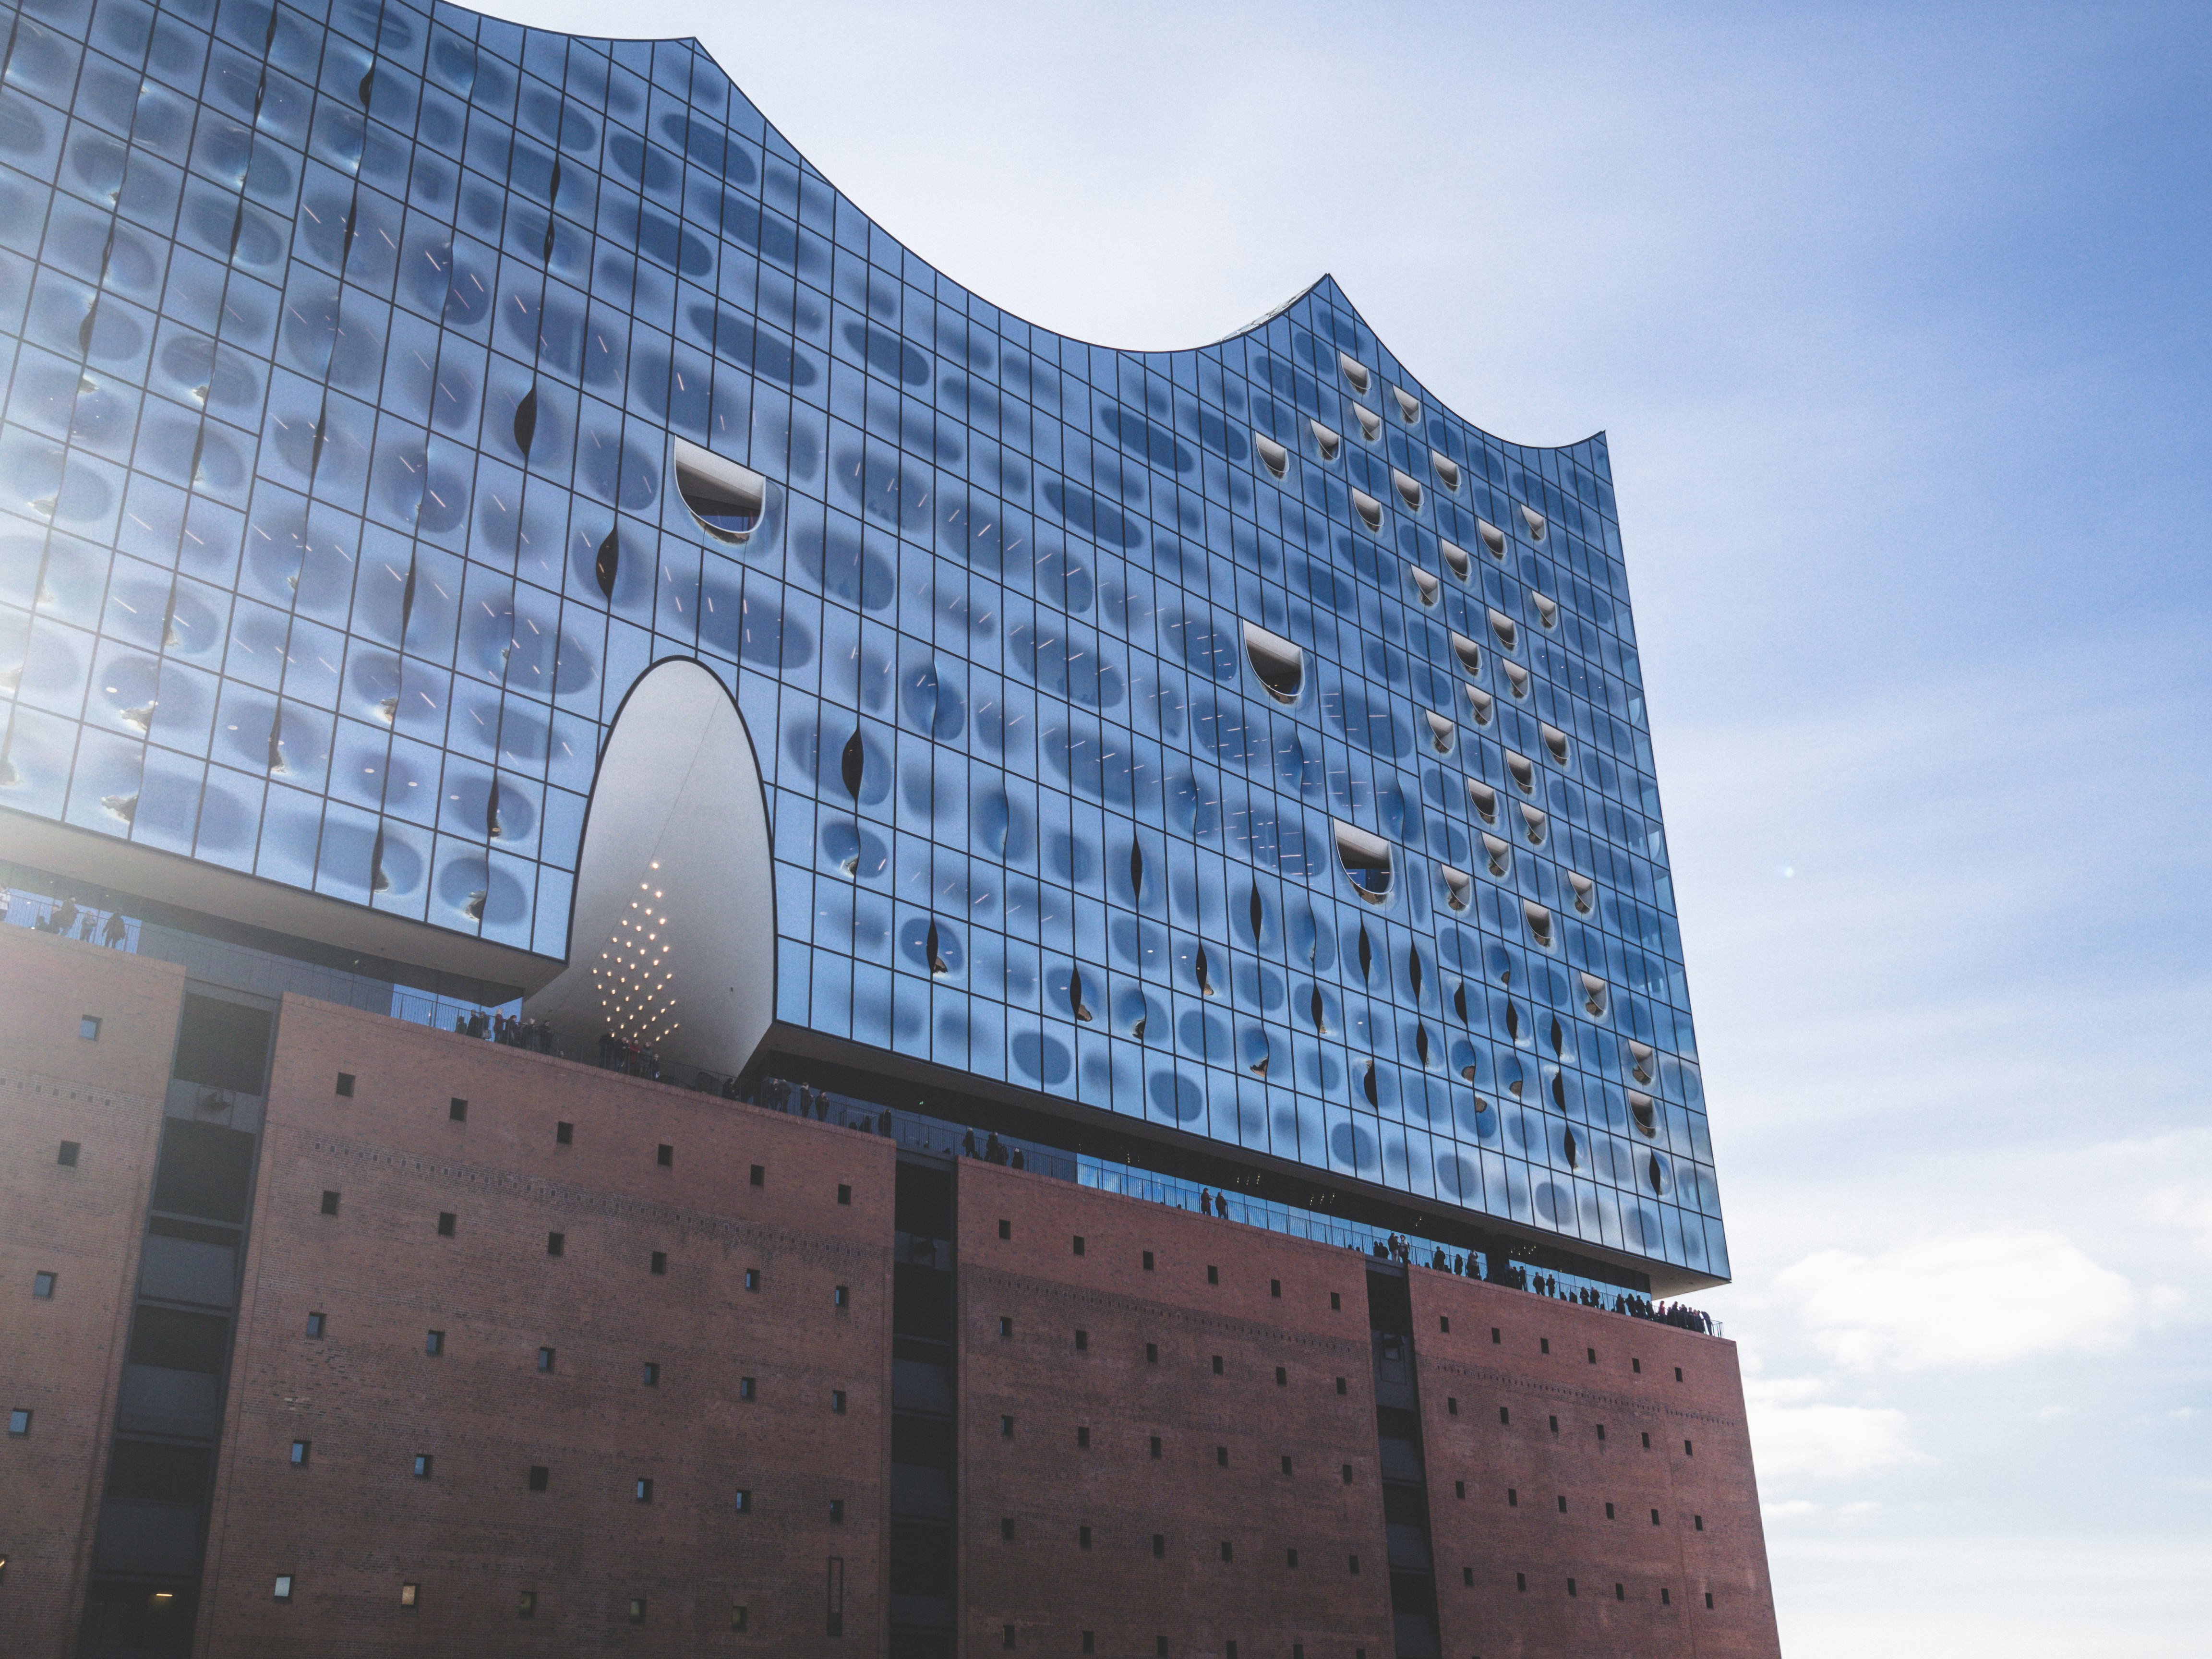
point(353, 1523)
point(61, 1358)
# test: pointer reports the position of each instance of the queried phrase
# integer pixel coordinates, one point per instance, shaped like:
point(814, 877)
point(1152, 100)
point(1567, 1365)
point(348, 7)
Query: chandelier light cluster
point(634, 976)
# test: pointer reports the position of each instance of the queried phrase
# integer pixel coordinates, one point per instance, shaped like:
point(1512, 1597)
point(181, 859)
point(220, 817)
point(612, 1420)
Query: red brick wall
point(62, 1357)
point(1712, 1482)
point(1042, 1583)
point(355, 1524)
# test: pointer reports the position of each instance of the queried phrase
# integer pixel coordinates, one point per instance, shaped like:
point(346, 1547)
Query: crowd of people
point(1396, 1248)
point(68, 919)
point(509, 1030)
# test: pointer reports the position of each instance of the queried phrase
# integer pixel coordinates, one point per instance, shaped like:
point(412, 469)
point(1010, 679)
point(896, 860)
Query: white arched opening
point(672, 938)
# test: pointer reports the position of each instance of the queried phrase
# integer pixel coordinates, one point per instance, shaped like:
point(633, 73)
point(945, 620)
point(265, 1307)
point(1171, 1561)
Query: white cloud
point(1797, 1438)
point(1968, 1298)
point(2189, 1208)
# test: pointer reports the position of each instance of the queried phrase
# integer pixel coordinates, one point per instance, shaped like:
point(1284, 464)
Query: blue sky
point(1897, 318)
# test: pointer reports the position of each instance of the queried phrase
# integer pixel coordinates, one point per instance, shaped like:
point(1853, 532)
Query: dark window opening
point(457, 1110)
point(541, 1477)
point(665, 1156)
point(564, 1134)
point(67, 1158)
point(844, 1193)
point(758, 1177)
point(555, 1244)
point(447, 1222)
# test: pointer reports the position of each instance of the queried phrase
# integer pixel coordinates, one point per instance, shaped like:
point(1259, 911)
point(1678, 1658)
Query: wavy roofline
point(1326, 281)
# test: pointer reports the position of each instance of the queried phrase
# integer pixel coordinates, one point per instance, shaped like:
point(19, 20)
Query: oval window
point(1469, 652)
point(1459, 887)
point(1523, 770)
point(1370, 423)
point(1366, 862)
point(1501, 626)
point(1447, 470)
point(1540, 922)
point(1272, 454)
point(1355, 372)
point(1441, 733)
point(1484, 799)
point(1281, 665)
point(1456, 559)
point(725, 499)
point(1492, 537)
point(1325, 440)
point(1481, 702)
point(1424, 584)
point(1371, 510)
point(1409, 489)
point(1535, 522)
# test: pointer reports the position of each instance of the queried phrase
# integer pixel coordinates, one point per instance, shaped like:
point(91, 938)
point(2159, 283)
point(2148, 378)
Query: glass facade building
point(1231, 739)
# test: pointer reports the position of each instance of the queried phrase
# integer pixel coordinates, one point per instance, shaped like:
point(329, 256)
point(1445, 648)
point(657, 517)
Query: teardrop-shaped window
point(930, 952)
point(1273, 455)
point(1366, 862)
point(1370, 423)
point(1522, 771)
point(1646, 1112)
point(1484, 799)
point(1447, 470)
point(608, 564)
point(1198, 968)
point(378, 881)
point(1256, 1050)
point(1516, 680)
point(407, 594)
point(1442, 732)
point(1559, 1035)
point(525, 421)
point(1535, 522)
point(1137, 869)
point(1513, 1027)
point(1421, 1042)
point(1459, 887)
point(1548, 610)
point(1469, 652)
point(1540, 922)
point(1355, 372)
point(1594, 996)
point(1640, 1055)
point(725, 499)
point(1499, 855)
point(1259, 913)
point(1492, 537)
point(1501, 626)
point(854, 763)
point(1367, 1084)
point(1414, 975)
point(493, 827)
point(1316, 1010)
point(1455, 559)
point(1325, 440)
point(1657, 1173)
point(277, 741)
point(1408, 404)
point(1281, 665)
point(1458, 1001)
point(1370, 509)
point(1555, 740)
point(1480, 703)
point(1366, 954)
point(1409, 489)
point(1427, 587)
point(1075, 1001)
point(1535, 824)
point(1585, 893)
point(366, 89)
point(1572, 1148)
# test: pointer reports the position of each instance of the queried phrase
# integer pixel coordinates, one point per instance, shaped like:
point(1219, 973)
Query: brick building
point(532, 1357)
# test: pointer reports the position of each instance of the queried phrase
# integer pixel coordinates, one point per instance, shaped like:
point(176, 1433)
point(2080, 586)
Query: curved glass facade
point(1233, 738)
